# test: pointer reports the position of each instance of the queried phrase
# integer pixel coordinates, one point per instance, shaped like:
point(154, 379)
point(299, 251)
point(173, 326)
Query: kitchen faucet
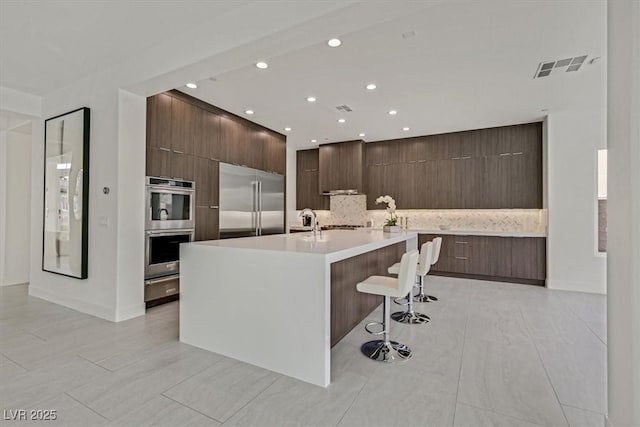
point(309, 211)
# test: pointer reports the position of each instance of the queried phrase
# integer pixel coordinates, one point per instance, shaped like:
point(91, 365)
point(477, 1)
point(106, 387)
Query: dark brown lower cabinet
point(207, 223)
point(348, 306)
point(506, 259)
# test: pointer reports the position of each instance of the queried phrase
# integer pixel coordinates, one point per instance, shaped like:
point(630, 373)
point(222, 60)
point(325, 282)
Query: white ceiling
point(46, 45)
point(470, 65)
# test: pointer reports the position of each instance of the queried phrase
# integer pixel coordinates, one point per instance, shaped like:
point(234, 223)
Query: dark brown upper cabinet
point(210, 146)
point(276, 154)
point(307, 185)
point(159, 121)
point(341, 166)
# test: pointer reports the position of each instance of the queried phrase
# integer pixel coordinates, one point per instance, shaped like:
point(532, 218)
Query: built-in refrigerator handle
point(259, 208)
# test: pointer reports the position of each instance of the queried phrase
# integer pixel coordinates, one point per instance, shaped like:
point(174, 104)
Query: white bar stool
point(422, 297)
point(385, 350)
point(424, 263)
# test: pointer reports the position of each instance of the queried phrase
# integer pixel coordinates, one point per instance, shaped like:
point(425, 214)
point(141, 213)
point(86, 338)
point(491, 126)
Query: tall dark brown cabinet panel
point(276, 154)
point(186, 127)
point(340, 166)
point(210, 147)
point(257, 148)
point(206, 178)
point(159, 121)
point(207, 221)
point(307, 185)
point(159, 162)
point(233, 137)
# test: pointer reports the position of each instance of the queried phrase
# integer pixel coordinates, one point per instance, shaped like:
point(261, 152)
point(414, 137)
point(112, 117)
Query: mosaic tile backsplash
point(352, 210)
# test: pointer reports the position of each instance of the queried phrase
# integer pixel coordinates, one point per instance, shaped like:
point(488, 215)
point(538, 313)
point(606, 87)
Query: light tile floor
point(493, 354)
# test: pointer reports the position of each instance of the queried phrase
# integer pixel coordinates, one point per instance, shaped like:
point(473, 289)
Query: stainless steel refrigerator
point(251, 202)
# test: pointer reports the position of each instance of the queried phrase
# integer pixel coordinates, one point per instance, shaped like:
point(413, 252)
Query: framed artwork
point(65, 239)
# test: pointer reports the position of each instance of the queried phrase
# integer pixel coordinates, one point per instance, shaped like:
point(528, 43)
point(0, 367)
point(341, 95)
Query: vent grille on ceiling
point(567, 65)
point(344, 108)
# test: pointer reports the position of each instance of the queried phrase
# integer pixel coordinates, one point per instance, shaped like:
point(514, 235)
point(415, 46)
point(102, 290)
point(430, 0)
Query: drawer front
point(161, 287)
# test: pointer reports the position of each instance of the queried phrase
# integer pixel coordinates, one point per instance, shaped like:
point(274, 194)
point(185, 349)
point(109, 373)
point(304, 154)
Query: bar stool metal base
point(424, 298)
point(386, 351)
point(410, 317)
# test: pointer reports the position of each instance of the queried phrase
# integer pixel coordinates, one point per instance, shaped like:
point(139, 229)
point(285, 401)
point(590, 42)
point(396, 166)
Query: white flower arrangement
point(391, 209)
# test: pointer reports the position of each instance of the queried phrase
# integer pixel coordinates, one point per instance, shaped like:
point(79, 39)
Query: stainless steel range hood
point(352, 192)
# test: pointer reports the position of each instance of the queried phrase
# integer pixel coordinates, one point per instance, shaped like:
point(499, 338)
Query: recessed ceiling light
point(262, 65)
point(192, 85)
point(248, 111)
point(361, 134)
point(334, 42)
point(314, 140)
point(311, 98)
point(371, 86)
point(392, 112)
point(405, 128)
point(287, 129)
point(341, 120)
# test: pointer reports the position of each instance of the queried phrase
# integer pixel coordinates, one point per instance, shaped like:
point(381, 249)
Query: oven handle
point(161, 233)
point(171, 189)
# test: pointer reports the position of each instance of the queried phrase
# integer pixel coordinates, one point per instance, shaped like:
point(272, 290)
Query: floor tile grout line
point(88, 407)
point(355, 398)
point(192, 409)
point(94, 363)
point(13, 361)
point(464, 340)
point(583, 321)
point(215, 362)
point(254, 397)
point(582, 409)
point(555, 393)
point(501, 414)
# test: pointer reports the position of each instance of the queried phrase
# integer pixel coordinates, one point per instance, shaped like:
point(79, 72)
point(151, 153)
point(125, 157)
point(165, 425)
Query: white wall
point(16, 173)
point(623, 323)
point(573, 139)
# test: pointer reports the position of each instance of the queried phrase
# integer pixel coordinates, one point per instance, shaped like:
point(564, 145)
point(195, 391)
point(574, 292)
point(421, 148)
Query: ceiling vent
point(566, 65)
point(344, 108)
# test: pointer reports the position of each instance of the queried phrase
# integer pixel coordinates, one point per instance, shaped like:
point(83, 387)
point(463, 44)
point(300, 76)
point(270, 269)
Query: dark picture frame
point(65, 231)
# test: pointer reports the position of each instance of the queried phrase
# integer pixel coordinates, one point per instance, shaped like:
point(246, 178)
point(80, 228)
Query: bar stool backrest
point(424, 261)
point(437, 244)
point(407, 275)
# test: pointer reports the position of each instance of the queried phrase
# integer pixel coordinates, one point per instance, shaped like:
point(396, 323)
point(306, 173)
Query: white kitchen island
point(268, 300)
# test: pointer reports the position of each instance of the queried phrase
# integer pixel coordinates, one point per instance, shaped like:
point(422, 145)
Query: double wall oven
point(169, 222)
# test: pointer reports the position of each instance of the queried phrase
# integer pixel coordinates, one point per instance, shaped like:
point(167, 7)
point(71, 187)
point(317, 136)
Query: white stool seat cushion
point(380, 285)
point(395, 268)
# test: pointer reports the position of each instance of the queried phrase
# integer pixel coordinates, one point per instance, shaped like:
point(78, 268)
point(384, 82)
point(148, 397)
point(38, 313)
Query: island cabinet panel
point(307, 185)
point(508, 259)
point(348, 306)
point(341, 166)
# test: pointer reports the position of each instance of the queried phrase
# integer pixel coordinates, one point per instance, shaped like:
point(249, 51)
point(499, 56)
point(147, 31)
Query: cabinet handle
point(164, 149)
point(422, 161)
point(465, 157)
point(518, 153)
point(505, 154)
point(455, 158)
point(214, 159)
point(462, 243)
point(461, 257)
point(214, 207)
point(178, 151)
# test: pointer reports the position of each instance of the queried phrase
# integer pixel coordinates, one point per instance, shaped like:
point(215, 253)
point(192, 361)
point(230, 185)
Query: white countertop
point(335, 245)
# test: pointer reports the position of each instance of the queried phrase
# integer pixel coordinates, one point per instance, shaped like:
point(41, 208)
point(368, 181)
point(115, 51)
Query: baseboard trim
point(90, 308)
point(566, 285)
point(134, 310)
